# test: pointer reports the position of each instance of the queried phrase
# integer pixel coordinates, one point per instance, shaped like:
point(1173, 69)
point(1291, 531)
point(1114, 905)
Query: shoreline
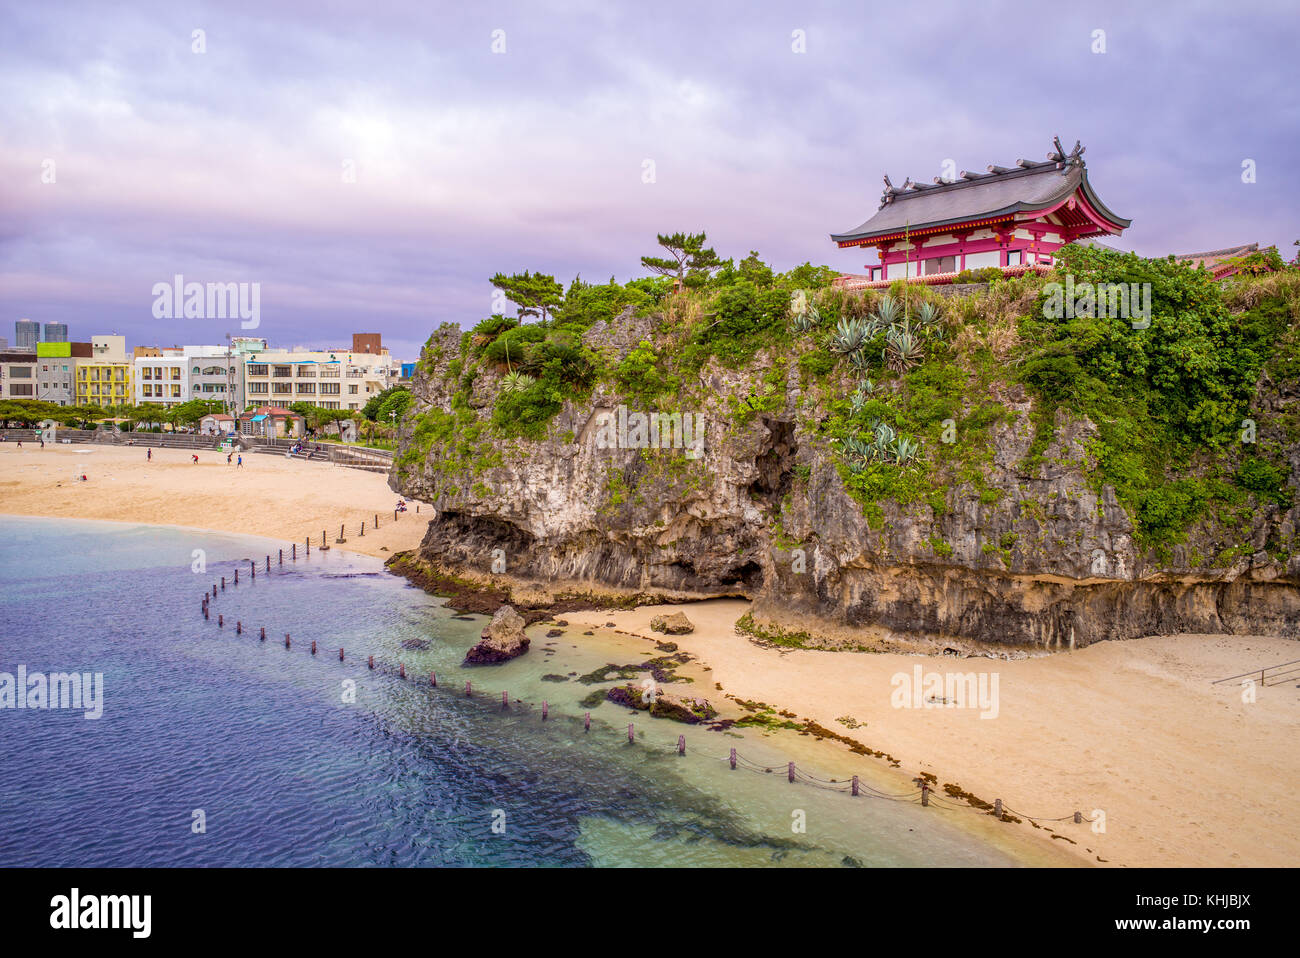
point(1181, 769)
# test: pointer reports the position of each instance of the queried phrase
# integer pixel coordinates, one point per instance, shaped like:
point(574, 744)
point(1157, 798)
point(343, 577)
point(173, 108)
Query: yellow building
point(103, 383)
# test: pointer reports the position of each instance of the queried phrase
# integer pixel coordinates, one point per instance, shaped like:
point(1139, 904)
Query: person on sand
point(148, 455)
point(196, 458)
point(228, 455)
point(239, 464)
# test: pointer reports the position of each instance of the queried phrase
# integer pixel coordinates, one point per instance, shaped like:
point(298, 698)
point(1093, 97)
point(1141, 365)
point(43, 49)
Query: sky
point(371, 165)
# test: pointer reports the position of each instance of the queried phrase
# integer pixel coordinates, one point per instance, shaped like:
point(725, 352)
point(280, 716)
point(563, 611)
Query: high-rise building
point(56, 333)
point(26, 334)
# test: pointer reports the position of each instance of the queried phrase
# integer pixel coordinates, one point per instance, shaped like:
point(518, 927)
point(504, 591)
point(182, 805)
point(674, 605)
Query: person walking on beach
point(196, 458)
point(228, 455)
point(240, 463)
point(148, 455)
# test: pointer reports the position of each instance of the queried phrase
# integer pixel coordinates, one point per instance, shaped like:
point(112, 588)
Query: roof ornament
point(890, 192)
point(1063, 159)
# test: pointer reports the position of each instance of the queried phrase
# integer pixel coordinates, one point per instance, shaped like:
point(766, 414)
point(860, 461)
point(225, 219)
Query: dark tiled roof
point(1001, 191)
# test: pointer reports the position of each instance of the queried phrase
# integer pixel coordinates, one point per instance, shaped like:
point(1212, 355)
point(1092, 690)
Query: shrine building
point(1010, 217)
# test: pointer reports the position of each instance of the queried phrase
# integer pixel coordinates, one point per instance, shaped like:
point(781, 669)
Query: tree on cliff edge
point(689, 259)
point(535, 294)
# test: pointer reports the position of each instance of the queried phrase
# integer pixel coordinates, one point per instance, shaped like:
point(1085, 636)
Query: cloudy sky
point(499, 136)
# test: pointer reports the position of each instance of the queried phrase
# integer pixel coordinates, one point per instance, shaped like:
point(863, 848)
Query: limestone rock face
point(1033, 557)
point(502, 639)
point(674, 624)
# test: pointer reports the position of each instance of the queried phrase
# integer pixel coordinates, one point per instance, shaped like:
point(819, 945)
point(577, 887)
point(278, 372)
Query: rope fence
point(923, 794)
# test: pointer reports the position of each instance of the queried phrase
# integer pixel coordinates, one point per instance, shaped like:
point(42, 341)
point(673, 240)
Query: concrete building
point(56, 370)
point(217, 424)
point(18, 374)
point(161, 379)
point(26, 334)
point(103, 379)
point(332, 379)
point(271, 422)
point(56, 333)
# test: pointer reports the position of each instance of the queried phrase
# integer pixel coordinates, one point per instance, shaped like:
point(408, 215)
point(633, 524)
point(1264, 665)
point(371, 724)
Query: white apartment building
point(162, 379)
point(332, 379)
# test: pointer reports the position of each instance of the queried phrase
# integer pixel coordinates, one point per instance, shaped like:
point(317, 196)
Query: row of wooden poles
point(854, 786)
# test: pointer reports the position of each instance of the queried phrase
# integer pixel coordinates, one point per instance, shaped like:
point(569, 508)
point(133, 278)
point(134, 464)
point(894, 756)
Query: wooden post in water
point(732, 760)
point(221, 621)
point(340, 538)
point(286, 640)
point(468, 691)
point(268, 563)
point(223, 583)
point(340, 655)
point(239, 627)
point(309, 545)
point(372, 661)
point(401, 670)
point(855, 786)
point(925, 794)
point(376, 520)
point(997, 807)
point(205, 613)
point(544, 710)
point(505, 699)
point(281, 557)
point(363, 527)
point(236, 577)
point(214, 590)
point(313, 646)
point(631, 733)
point(790, 771)
point(586, 722)
point(253, 564)
point(262, 635)
point(681, 745)
point(433, 680)
point(294, 554)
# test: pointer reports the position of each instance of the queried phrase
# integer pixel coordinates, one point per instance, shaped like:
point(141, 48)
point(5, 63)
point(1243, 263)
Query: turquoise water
point(285, 771)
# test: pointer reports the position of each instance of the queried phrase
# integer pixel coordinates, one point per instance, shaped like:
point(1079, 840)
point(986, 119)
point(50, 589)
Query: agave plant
point(805, 320)
point(887, 312)
point(928, 315)
point(857, 449)
point(850, 336)
point(860, 362)
point(885, 437)
point(516, 382)
point(906, 449)
point(902, 348)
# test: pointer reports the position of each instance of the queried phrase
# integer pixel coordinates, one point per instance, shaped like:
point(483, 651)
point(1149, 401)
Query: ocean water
point(261, 741)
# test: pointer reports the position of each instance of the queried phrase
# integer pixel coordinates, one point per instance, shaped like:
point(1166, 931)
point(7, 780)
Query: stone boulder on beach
point(502, 639)
point(674, 624)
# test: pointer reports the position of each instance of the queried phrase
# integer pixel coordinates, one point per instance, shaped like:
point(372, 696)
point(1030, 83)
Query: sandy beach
point(269, 496)
point(1185, 772)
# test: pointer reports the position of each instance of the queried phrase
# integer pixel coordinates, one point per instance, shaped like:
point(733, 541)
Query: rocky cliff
point(1013, 544)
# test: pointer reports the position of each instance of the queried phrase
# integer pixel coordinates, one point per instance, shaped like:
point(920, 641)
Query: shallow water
point(286, 772)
